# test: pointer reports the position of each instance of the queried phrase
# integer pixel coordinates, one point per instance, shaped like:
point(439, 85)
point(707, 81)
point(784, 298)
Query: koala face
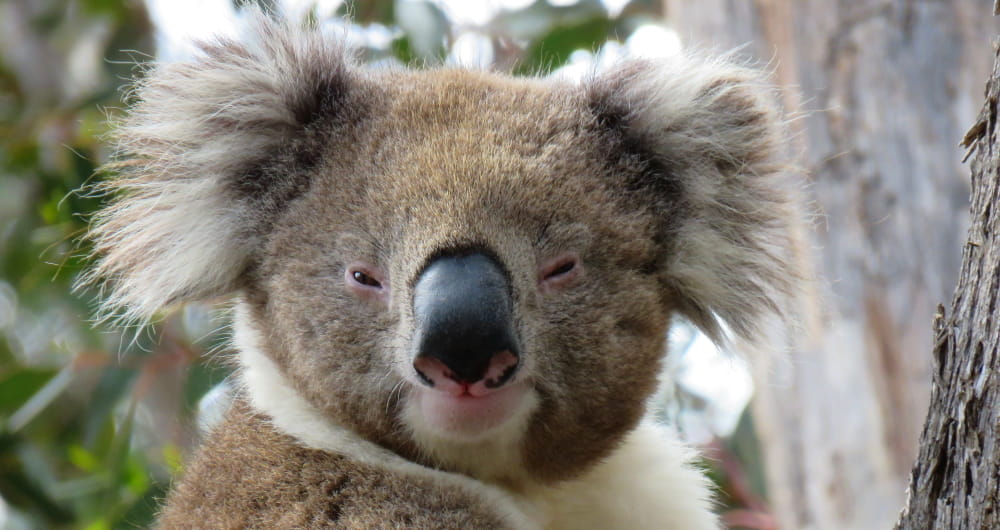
point(452, 264)
point(474, 260)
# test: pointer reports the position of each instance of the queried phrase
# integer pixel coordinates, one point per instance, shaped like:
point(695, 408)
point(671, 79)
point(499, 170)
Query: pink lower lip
point(466, 414)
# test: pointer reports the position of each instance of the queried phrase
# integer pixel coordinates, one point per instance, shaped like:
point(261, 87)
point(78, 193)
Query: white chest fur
point(647, 483)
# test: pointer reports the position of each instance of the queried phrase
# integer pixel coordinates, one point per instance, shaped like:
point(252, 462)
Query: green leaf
point(368, 11)
point(41, 399)
point(117, 459)
point(103, 7)
point(110, 389)
point(22, 490)
point(17, 386)
point(82, 458)
point(174, 459)
point(553, 50)
point(100, 524)
point(402, 50)
point(142, 512)
point(136, 476)
point(202, 377)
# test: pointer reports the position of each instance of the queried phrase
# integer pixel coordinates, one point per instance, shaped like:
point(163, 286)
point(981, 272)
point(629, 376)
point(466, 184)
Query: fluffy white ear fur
point(714, 129)
point(177, 228)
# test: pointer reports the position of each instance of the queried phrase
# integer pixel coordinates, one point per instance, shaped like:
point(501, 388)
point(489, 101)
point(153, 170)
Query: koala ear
point(708, 136)
point(210, 152)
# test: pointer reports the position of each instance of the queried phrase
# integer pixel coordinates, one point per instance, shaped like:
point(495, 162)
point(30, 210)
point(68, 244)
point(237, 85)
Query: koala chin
point(452, 287)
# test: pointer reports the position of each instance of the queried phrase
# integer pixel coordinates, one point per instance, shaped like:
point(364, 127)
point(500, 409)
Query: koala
point(452, 288)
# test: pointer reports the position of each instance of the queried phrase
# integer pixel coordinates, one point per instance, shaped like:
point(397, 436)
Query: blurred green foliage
point(93, 421)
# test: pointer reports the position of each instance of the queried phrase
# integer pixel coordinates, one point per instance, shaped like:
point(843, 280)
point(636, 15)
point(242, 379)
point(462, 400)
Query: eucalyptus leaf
point(554, 49)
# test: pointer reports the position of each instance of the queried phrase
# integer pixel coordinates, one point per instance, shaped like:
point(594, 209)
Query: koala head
point(448, 262)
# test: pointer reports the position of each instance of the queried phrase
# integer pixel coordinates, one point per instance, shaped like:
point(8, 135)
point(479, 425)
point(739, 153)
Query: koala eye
point(561, 269)
point(365, 279)
point(366, 282)
point(560, 272)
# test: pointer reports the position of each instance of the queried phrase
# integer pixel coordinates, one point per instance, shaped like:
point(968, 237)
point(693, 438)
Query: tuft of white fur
point(649, 482)
point(717, 129)
point(175, 229)
point(269, 392)
point(181, 241)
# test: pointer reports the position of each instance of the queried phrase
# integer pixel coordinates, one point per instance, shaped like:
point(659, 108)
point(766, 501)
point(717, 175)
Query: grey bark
point(955, 482)
point(880, 92)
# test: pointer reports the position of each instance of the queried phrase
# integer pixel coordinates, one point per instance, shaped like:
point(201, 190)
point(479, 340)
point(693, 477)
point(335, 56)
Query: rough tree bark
point(955, 482)
point(887, 87)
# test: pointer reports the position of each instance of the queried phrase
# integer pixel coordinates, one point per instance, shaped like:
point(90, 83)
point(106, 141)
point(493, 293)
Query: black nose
point(462, 306)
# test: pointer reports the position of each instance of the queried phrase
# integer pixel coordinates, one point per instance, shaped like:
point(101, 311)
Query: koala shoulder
point(249, 475)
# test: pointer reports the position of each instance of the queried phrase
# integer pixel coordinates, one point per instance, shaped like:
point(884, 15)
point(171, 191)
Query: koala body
point(453, 287)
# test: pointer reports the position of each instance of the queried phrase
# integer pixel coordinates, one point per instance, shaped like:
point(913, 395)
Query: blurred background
point(94, 421)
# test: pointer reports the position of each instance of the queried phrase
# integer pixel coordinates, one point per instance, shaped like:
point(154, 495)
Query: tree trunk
point(955, 482)
point(887, 88)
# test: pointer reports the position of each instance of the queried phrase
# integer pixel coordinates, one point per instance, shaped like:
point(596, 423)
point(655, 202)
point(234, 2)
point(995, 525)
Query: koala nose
point(464, 330)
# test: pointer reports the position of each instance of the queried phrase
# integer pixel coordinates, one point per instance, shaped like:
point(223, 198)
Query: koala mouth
point(465, 411)
point(453, 406)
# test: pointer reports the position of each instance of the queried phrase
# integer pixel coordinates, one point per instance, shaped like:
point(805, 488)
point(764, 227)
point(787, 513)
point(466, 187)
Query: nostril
point(431, 371)
point(424, 378)
point(501, 369)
